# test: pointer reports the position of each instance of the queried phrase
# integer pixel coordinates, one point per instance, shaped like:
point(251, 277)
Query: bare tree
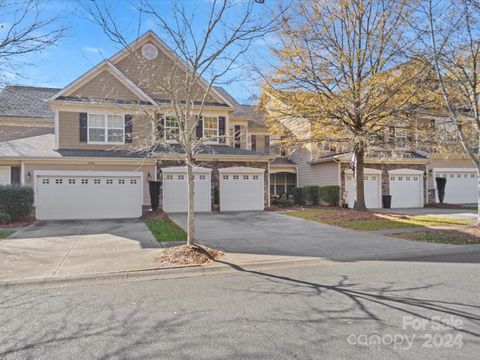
point(452, 41)
point(345, 67)
point(24, 29)
point(207, 52)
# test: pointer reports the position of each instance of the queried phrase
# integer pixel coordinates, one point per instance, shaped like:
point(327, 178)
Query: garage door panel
point(461, 186)
point(88, 197)
point(241, 191)
point(175, 192)
point(371, 185)
point(406, 190)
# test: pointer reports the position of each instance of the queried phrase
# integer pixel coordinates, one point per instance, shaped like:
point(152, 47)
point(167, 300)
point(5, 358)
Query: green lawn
point(165, 229)
point(5, 233)
point(371, 222)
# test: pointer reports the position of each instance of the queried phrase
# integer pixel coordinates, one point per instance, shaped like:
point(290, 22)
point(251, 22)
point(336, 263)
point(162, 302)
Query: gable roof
point(90, 75)
point(109, 65)
point(26, 102)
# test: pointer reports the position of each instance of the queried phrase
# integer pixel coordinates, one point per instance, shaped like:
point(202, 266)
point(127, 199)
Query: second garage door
point(62, 195)
point(241, 189)
point(175, 189)
point(406, 188)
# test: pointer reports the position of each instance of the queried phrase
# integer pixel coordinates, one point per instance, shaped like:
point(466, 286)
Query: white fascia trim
point(183, 169)
point(86, 173)
point(405, 172)
point(104, 65)
point(170, 53)
point(241, 170)
point(129, 83)
point(438, 169)
point(366, 171)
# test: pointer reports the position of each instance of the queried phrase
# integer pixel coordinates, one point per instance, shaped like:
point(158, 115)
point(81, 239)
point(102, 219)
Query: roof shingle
point(26, 102)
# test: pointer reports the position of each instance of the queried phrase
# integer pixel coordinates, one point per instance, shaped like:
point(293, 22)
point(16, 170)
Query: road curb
point(220, 267)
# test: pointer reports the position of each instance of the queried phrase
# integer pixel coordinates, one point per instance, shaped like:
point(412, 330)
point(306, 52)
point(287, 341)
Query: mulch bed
point(159, 214)
point(18, 224)
point(470, 235)
point(337, 213)
point(443, 206)
point(189, 255)
point(299, 207)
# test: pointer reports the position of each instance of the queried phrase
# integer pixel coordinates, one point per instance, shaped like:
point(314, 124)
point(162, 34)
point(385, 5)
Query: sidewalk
point(228, 263)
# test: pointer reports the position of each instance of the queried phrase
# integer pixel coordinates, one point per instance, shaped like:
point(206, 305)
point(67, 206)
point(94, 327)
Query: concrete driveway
point(270, 233)
point(72, 248)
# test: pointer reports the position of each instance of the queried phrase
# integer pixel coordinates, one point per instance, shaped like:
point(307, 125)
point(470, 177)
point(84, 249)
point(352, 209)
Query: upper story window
point(106, 129)
point(399, 136)
point(172, 128)
point(210, 128)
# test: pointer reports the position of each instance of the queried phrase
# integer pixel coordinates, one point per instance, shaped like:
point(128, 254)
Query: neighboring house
point(88, 167)
point(25, 112)
point(407, 175)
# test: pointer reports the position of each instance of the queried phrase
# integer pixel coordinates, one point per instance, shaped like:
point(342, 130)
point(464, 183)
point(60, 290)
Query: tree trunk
point(191, 206)
point(360, 202)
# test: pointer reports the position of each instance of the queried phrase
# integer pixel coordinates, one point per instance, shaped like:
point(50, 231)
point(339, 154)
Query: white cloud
point(92, 49)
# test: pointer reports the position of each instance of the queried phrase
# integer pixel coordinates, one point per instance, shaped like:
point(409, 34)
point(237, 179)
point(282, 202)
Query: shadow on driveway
point(270, 233)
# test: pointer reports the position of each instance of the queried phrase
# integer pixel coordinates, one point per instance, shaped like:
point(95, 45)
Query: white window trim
point(106, 128)
point(203, 129)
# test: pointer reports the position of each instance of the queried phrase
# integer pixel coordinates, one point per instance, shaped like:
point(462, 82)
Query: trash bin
point(387, 201)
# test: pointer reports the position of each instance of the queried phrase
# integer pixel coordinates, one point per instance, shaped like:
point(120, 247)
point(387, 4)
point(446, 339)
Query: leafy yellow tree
point(452, 41)
point(344, 66)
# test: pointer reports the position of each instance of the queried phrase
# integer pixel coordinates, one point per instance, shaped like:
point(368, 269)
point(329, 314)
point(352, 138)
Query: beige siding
point(30, 168)
point(104, 86)
point(147, 74)
point(261, 143)
point(69, 133)
point(318, 174)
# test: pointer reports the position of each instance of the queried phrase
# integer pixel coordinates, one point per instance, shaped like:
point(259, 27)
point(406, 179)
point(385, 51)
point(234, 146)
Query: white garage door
point(241, 189)
point(406, 188)
point(62, 195)
point(175, 189)
point(4, 175)
point(372, 185)
point(461, 186)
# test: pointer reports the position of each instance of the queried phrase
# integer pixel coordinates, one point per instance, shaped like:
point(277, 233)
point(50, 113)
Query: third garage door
point(461, 186)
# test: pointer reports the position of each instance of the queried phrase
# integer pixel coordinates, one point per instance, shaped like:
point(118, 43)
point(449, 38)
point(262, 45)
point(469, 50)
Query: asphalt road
point(363, 310)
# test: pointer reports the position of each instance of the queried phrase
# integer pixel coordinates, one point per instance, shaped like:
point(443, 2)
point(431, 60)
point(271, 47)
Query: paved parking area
point(72, 248)
point(270, 233)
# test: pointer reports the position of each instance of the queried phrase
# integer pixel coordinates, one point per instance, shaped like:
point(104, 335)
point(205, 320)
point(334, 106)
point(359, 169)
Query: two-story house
point(405, 168)
point(92, 165)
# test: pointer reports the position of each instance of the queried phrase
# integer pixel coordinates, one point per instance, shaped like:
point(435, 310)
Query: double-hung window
point(210, 128)
point(172, 128)
point(106, 129)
